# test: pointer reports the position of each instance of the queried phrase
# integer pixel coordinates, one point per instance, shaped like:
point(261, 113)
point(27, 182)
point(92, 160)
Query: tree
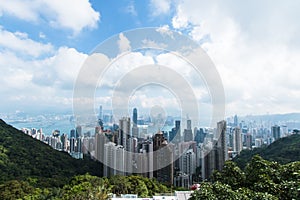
point(231, 174)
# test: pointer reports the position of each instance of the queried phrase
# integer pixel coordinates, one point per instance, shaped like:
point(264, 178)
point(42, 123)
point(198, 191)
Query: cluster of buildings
point(179, 157)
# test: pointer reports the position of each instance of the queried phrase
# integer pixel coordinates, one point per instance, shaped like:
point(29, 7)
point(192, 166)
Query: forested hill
point(23, 157)
point(284, 150)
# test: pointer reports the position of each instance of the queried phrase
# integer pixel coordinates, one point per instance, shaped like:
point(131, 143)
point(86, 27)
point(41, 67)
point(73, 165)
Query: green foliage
point(15, 189)
point(231, 175)
point(260, 180)
point(21, 157)
point(283, 151)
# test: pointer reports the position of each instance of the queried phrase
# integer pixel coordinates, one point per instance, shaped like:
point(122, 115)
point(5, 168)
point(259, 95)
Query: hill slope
point(284, 150)
point(22, 157)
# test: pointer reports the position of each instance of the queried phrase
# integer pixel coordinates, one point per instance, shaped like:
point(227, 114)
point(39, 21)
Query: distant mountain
point(284, 150)
point(292, 120)
point(23, 157)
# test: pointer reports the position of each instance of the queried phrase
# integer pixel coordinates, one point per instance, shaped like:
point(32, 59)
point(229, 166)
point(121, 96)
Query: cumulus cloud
point(255, 48)
point(45, 81)
point(74, 15)
point(20, 43)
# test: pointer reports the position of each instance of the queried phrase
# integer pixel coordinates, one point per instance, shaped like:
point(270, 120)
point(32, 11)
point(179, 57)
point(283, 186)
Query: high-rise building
point(72, 133)
point(249, 141)
point(100, 141)
point(134, 116)
point(162, 159)
point(109, 159)
point(188, 164)
point(237, 140)
point(215, 152)
point(72, 144)
point(188, 133)
point(175, 133)
point(124, 131)
point(144, 159)
point(235, 121)
point(135, 130)
point(64, 141)
point(221, 144)
point(199, 135)
point(78, 131)
point(275, 131)
point(189, 124)
point(100, 113)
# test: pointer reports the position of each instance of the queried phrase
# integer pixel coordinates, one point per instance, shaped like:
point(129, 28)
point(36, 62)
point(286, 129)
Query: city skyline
point(43, 47)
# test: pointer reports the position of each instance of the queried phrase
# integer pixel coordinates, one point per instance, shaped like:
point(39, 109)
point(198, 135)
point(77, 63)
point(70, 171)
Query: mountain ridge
point(23, 157)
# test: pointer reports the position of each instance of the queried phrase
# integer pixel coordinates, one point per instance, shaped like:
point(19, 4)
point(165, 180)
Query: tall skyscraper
point(100, 113)
point(188, 163)
point(134, 116)
point(175, 133)
point(100, 141)
point(135, 130)
point(221, 144)
point(249, 141)
point(144, 159)
point(189, 124)
point(235, 121)
point(215, 152)
point(275, 130)
point(124, 131)
point(237, 140)
point(78, 131)
point(163, 162)
point(188, 133)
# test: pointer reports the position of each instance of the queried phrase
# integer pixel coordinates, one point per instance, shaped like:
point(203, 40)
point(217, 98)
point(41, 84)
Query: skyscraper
point(275, 130)
point(135, 130)
point(188, 133)
point(175, 133)
point(237, 140)
point(221, 144)
point(235, 121)
point(134, 116)
point(100, 140)
point(100, 113)
point(78, 131)
point(163, 159)
point(215, 152)
point(124, 131)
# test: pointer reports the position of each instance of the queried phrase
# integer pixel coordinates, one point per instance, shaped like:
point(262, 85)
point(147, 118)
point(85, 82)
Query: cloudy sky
point(255, 46)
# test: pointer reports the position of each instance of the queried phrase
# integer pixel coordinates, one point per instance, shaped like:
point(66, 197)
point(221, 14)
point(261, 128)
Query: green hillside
point(284, 150)
point(23, 157)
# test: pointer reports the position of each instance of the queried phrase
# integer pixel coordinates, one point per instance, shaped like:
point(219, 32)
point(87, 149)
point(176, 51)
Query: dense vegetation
point(284, 150)
point(84, 187)
point(261, 179)
point(23, 158)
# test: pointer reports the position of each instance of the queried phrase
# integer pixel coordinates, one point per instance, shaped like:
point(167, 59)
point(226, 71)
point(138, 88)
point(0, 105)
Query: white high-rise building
point(237, 140)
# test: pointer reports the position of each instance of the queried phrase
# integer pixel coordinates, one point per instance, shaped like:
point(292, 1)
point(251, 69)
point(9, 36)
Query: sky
point(254, 45)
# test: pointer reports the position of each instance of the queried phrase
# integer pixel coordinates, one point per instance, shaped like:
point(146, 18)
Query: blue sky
point(254, 45)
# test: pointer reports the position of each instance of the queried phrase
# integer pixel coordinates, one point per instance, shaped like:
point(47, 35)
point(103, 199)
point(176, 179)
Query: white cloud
point(159, 7)
point(20, 43)
point(70, 14)
point(60, 70)
point(255, 48)
point(124, 43)
point(36, 82)
point(23, 9)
